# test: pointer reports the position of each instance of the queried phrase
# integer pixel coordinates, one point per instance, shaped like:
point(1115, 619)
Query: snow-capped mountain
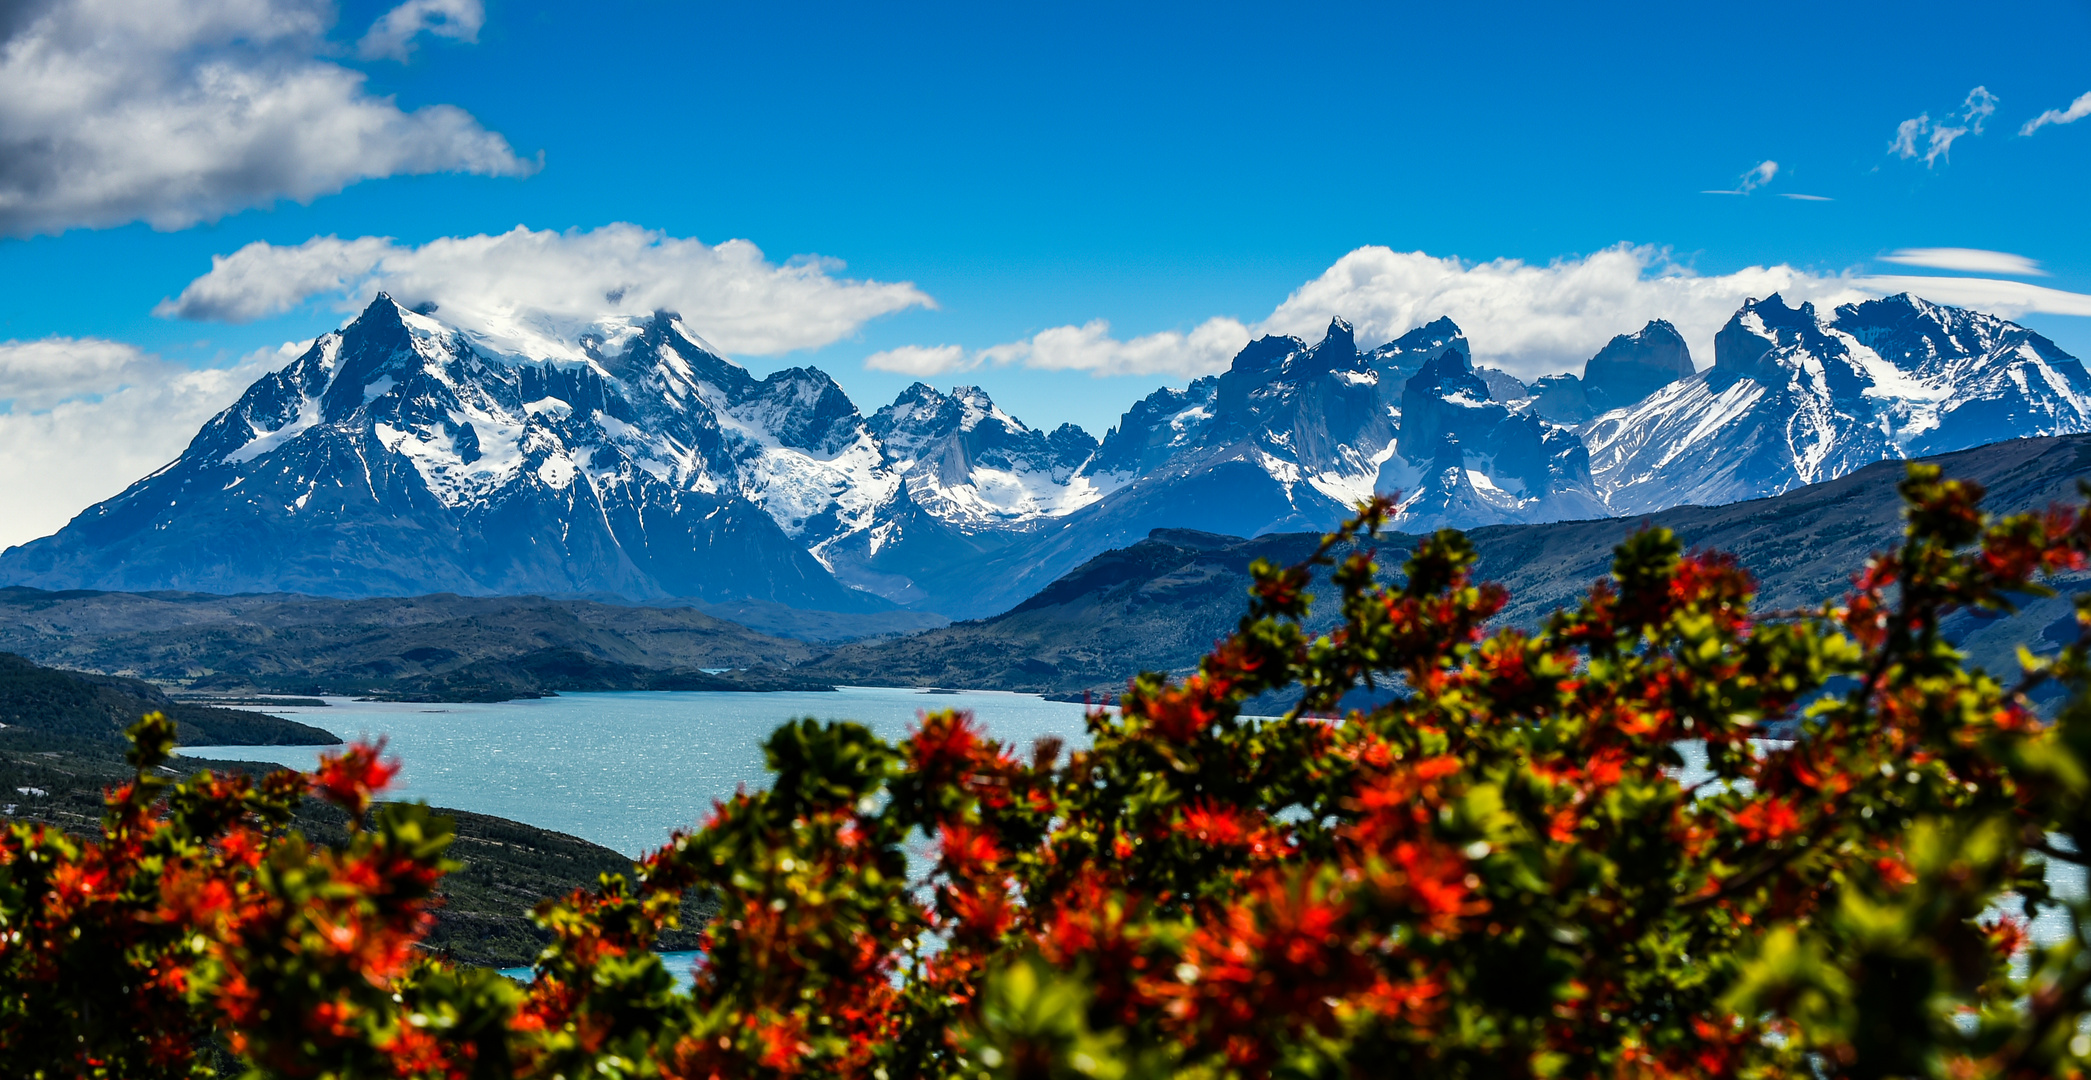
point(972, 463)
point(1290, 437)
point(1794, 397)
point(400, 455)
point(396, 457)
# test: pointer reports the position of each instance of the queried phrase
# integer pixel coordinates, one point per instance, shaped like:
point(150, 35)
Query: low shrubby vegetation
point(1501, 869)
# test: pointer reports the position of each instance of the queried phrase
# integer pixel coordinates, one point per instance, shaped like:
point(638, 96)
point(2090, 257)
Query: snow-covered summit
point(1795, 397)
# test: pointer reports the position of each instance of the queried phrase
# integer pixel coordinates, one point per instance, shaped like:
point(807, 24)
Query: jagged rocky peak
point(1632, 366)
point(955, 432)
point(1338, 347)
point(1562, 399)
point(1761, 328)
point(1404, 356)
point(1444, 397)
point(1503, 386)
point(1158, 427)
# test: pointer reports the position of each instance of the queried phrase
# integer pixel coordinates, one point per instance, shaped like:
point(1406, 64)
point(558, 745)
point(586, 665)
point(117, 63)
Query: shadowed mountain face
point(401, 456)
point(1159, 604)
point(1631, 367)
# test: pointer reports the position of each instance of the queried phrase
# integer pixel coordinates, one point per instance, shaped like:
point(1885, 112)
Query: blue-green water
point(623, 770)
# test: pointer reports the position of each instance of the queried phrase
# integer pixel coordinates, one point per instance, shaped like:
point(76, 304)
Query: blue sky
point(1037, 166)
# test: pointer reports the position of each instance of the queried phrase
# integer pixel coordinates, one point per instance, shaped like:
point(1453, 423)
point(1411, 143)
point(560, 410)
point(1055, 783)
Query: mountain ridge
point(396, 457)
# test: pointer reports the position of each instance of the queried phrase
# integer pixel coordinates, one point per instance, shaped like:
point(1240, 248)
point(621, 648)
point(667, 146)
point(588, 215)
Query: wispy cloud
point(1758, 176)
point(1973, 260)
point(924, 360)
point(1089, 347)
point(2076, 111)
point(1805, 198)
point(392, 36)
point(1933, 139)
point(2009, 299)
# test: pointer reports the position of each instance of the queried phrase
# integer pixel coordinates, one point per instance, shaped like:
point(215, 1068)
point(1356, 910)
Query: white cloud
point(1759, 175)
point(1523, 318)
point(2076, 111)
point(922, 360)
point(1751, 181)
point(2009, 299)
point(1533, 320)
point(1939, 135)
point(180, 111)
point(392, 36)
point(1805, 198)
point(1978, 108)
point(91, 416)
point(1974, 260)
point(1091, 348)
point(531, 292)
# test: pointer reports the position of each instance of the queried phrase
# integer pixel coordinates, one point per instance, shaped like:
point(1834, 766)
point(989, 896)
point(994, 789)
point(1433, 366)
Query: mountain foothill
point(633, 463)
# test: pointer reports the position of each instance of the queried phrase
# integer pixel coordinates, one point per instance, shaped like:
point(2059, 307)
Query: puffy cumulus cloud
point(86, 417)
point(392, 36)
point(924, 360)
point(2075, 111)
point(531, 292)
point(1532, 320)
point(40, 374)
point(1523, 318)
point(180, 111)
point(1974, 260)
point(263, 279)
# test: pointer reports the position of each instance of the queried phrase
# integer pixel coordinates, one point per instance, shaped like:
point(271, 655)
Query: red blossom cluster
point(1461, 851)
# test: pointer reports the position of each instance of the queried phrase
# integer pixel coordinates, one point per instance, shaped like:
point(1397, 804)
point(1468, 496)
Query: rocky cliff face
point(1632, 366)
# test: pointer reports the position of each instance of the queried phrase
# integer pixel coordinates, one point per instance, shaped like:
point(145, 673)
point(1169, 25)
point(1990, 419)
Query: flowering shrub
point(1496, 870)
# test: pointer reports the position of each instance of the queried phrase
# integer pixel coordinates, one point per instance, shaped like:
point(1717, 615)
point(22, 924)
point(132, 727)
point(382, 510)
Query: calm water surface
point(623, 770)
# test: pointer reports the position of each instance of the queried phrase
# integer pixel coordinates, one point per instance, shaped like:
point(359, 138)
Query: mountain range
point(1161, 603)
point(401, 455)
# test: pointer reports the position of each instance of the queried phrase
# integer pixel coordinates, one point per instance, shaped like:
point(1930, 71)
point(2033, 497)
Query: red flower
point(354, 777)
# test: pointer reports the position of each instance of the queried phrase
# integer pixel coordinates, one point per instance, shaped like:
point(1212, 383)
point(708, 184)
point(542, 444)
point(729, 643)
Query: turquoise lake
point(626, 769)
